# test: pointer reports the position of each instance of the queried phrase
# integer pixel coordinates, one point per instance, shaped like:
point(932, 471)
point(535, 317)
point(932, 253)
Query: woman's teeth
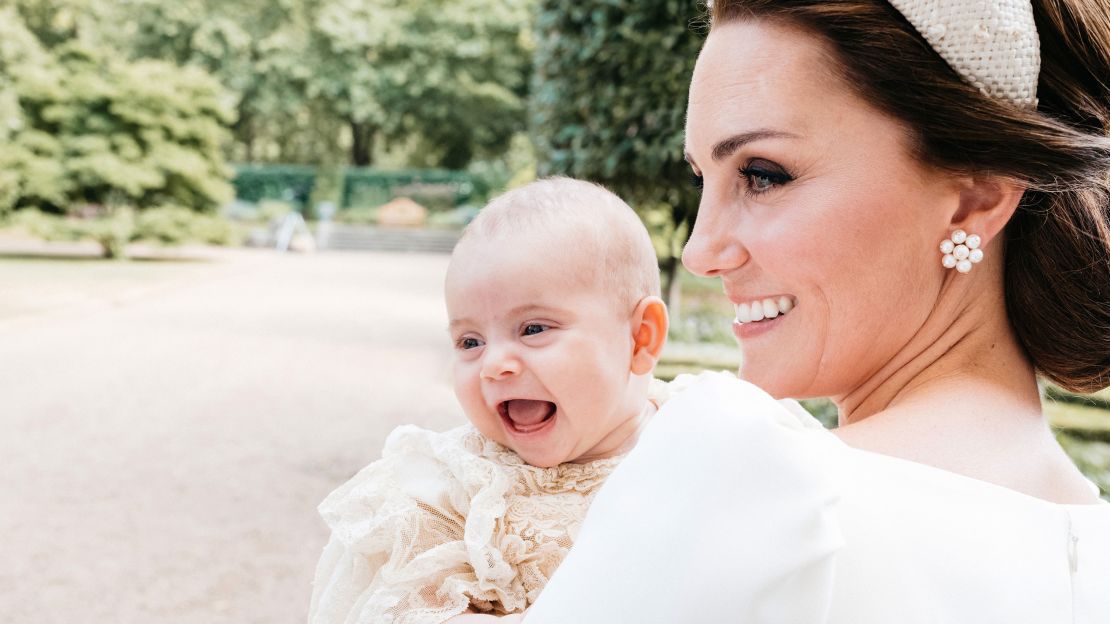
point(764, 309)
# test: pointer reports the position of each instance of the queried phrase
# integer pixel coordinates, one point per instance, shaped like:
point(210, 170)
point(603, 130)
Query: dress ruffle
point(445, 522)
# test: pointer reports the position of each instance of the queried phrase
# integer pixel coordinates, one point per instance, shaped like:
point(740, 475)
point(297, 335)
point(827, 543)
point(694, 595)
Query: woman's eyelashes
point(763, 176)
point(760, 176)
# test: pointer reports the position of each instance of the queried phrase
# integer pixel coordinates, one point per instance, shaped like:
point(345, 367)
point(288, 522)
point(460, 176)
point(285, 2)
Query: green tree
point(91, 137)
point(255, 48)
point(56, 22)
point(143, 134)
point(451, 72)
point(30, 167)
point(608, 104)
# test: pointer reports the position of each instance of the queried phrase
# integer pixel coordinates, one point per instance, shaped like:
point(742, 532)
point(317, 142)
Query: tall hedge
point(609, 103)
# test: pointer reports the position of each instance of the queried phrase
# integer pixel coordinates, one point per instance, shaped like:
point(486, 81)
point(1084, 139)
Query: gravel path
point(163, 450)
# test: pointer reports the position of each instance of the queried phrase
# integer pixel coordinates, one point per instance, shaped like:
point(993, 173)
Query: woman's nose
point(714, 246)
point(499, 363)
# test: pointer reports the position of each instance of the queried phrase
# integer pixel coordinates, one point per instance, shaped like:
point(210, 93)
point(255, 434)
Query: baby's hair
point(592, 218)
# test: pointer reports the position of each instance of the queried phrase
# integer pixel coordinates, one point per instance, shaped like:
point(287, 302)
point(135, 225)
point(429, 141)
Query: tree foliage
point(446, 78)
point(609, 101)
point(443, 81)
point(255, 48)
point(452, 73)
point(30, 168)
point(86, 126)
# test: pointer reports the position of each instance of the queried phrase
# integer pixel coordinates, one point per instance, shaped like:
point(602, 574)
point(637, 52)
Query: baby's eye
point(467, 343)
point(531, 329)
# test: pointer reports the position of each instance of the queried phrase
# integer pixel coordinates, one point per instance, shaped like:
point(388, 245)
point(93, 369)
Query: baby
point(556, 321)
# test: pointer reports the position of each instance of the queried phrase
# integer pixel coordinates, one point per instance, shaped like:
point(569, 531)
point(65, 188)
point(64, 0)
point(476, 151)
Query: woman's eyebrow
point(727, 147)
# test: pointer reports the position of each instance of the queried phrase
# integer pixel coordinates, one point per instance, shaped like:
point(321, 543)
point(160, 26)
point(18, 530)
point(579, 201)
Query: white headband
point(992, 45)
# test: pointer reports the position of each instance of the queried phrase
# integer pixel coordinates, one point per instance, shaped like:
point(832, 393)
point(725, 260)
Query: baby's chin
point(542, 460)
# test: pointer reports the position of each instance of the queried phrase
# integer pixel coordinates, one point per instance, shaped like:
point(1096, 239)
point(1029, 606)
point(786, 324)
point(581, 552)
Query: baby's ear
point(649, 334)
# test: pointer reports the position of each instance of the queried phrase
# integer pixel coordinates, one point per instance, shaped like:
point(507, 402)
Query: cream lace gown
point(735, 509)
point(442, 522)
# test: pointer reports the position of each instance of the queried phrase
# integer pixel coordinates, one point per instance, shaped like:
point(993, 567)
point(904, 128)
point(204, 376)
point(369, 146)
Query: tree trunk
point(243, 130)
point(362, 143)
point(248, 143)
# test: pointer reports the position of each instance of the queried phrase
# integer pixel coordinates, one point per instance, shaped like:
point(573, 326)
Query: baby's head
point(553, 299)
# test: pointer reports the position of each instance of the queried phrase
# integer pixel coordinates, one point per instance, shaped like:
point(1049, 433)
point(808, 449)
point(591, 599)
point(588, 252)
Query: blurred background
point(223, 232)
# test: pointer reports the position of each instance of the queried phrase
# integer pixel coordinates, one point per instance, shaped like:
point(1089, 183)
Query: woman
point(905, 227)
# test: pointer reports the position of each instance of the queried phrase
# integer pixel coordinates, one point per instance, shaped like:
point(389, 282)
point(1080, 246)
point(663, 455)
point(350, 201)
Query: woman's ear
point(649, 334)
point(986, 205)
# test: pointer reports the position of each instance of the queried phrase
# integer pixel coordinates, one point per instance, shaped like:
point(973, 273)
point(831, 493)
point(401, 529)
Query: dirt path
point(163, 454)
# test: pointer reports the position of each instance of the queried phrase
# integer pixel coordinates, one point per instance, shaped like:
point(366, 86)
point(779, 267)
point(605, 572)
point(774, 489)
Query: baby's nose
point(499, 363)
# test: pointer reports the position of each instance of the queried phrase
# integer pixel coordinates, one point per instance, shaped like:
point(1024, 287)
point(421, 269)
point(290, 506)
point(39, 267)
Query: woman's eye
point(532, 329)
point(468, 343)
point(762, 179)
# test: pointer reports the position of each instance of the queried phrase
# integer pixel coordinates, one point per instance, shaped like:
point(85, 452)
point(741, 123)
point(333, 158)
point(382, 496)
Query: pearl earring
point(961, 251)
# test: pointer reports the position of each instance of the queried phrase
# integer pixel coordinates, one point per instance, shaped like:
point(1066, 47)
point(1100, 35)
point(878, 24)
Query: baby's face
point(542, 355)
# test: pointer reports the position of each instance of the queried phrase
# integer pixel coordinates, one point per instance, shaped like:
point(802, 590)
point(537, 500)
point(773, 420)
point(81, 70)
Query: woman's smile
point(762, 308)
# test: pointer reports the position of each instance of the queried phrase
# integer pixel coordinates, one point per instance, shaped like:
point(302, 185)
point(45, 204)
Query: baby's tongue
point(526, 412)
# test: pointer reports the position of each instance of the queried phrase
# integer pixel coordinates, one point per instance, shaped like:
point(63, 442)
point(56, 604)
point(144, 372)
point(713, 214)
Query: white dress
point(443, 523)
point(735, 509)
point(449, 522)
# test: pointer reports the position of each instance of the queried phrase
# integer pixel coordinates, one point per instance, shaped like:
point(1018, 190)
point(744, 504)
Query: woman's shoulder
point(718, 414)
point(739, 484)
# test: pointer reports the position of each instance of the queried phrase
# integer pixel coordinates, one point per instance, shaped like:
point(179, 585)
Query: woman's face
point(811, 200)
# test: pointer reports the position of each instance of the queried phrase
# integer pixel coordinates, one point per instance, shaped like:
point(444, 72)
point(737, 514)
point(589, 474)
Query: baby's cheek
point(467, 386)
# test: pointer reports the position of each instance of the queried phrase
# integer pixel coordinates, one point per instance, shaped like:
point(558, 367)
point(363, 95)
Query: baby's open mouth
point(526, 415)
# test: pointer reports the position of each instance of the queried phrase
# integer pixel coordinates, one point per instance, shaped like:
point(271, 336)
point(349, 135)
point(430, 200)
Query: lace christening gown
point(446, 522)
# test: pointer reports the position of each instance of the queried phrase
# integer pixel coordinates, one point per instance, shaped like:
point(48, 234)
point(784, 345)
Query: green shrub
point(454, 219)
point(173, 225)
point(114, 228)
point(271, 210)
point(363, 215)
point(435, 189)
point(82, 124)
point(256, 183)
point(328, 188)
point(1092, 457)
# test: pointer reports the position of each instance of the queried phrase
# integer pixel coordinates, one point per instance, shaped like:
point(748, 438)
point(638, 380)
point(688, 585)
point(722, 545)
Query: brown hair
point(1057, 245)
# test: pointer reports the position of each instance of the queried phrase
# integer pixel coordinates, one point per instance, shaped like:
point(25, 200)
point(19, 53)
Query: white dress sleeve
point(413, 537)
point(724, 512)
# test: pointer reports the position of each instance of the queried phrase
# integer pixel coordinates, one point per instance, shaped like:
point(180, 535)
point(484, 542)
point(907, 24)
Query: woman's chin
point(774, 381)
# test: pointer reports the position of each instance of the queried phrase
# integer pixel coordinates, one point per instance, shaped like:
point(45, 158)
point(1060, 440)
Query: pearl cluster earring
point(961, 251)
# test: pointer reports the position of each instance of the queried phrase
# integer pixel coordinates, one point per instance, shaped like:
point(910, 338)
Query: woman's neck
point(963, 397)
point(960, 348)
